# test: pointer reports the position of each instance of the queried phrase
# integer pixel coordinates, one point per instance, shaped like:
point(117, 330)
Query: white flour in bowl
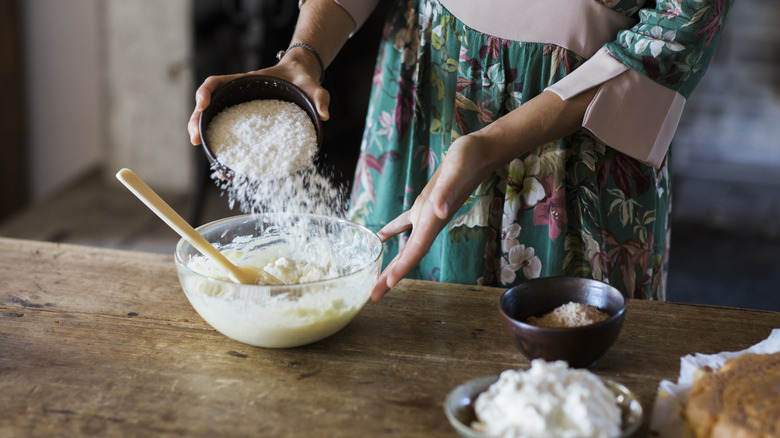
point(271, 144)
point(548, 400)
point(263, 139)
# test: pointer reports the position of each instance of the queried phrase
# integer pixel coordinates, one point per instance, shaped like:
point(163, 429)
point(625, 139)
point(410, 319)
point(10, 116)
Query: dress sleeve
point(359, 10)
point(646, 74)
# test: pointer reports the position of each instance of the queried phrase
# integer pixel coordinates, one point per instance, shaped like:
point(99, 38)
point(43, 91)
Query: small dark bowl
point(246, 89)
point(581, 347)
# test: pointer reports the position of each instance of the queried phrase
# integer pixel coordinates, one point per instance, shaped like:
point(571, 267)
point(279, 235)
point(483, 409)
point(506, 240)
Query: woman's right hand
point(294, 67)
point(322, 23)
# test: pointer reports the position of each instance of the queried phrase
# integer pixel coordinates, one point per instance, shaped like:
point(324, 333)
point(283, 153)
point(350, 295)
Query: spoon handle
point(155, 203)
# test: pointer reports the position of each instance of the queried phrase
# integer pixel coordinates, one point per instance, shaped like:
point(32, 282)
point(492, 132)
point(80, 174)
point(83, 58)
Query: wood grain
point(101, 342)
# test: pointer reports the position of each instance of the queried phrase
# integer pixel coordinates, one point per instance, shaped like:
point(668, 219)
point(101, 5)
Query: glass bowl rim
point(182, 242)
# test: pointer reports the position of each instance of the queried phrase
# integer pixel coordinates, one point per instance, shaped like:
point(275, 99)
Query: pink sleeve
point(359, 10)
point(630, 113)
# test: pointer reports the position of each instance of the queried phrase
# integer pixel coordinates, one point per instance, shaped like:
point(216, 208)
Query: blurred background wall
point(147, 51)
point(105, 84)
point(732, 121)
point(62, 92)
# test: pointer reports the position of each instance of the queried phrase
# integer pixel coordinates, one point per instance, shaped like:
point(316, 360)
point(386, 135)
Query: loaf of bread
point(740, 400)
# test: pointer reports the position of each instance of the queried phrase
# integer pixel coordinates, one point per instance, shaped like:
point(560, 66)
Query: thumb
point(321, 99)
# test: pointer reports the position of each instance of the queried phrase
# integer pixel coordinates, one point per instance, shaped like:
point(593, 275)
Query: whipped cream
point(548, 400)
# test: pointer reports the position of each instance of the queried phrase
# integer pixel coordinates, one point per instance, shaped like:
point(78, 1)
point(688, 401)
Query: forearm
point(323, 25)
point(542, 119)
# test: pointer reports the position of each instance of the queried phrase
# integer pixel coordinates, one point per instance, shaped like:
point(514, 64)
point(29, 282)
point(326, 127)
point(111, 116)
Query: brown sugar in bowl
point(581, 346)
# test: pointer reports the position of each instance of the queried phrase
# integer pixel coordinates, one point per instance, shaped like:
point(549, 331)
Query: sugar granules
point(270, 145)
point(570, 315)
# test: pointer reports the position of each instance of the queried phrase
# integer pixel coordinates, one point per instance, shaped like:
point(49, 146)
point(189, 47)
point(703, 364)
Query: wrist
point(305, 57)
point(497, 147)
point(484, 152)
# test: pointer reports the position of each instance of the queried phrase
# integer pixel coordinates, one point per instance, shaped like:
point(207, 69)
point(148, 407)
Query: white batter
point(304, 311)
point(271, 270)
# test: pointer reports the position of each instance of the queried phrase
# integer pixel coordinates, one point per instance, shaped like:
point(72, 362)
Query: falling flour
point(270, 145)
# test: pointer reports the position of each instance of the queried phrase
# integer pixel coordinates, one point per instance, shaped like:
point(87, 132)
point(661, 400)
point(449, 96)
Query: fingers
point(403, 263)
point(381, 287)
point(193, 127)
point(318, 95)
point(208, 87)
point(448, 188)
point(395, 227)
point(321, 99)
point(202, 100)
point(424, 232)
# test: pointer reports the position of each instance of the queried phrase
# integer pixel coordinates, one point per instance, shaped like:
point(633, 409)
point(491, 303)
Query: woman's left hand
point(461, 171)
point(469, 160)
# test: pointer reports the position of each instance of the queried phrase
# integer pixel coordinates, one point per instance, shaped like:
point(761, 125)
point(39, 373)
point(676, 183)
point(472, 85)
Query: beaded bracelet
point(281, 54)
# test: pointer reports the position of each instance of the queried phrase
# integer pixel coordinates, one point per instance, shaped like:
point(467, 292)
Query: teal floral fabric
point(574, 206)
point(673, 43)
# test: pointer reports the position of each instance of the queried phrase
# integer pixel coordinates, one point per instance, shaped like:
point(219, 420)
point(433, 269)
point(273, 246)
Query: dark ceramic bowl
point(246, 89)
point(459, 406)
point(581, 347)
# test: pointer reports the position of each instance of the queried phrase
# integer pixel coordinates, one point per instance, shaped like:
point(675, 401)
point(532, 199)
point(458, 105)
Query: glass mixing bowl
point(287, 315)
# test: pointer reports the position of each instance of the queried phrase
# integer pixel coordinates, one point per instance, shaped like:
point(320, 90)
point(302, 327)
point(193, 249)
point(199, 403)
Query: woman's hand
point(461, 171)
point(305, 76)
point(322, 24)
point(469, 160)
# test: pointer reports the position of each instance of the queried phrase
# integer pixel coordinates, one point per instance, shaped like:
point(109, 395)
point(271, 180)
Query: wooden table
point(99, 342)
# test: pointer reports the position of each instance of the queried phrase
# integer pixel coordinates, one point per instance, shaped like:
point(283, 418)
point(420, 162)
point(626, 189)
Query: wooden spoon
point(238, 274)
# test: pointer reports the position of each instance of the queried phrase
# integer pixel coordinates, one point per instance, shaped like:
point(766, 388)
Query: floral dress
point(574, 206)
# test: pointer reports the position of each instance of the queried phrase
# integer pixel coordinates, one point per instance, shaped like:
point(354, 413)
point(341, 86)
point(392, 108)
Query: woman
point(509, 140)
